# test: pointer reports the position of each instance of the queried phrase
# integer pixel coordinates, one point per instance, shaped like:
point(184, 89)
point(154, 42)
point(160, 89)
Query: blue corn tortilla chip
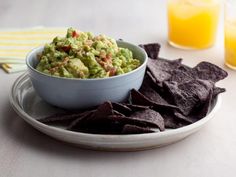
point(182, 74)
point(80, 123)
point(190, 94)
point(161, 69)
point(97, 122)
point(122, 108)
point(147, 118)
point(172, 121)
point(65, 117)
point(133, 129)
point(97, 125)
point(152, 49)
point(104, 110)
point(217, 91)
point(135, 107)
point(139, 99)
point(59, 117)
point(203, 109)
point(151, 77)
point(151, 93)
point(203, 71)
point(209, 71)
point(181, 118)
point(118, 113)
point(151, 117)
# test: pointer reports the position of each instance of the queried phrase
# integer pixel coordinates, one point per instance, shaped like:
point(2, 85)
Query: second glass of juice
point(193, 23)
point(230, 34)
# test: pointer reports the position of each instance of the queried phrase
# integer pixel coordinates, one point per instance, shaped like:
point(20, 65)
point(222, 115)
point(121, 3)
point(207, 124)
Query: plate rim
point(20, 111)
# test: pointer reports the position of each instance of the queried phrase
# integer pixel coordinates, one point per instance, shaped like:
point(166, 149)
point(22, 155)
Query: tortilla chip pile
point(172, 95)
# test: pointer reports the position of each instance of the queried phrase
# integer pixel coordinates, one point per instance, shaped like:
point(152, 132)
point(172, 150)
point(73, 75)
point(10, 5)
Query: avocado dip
point(83, 55)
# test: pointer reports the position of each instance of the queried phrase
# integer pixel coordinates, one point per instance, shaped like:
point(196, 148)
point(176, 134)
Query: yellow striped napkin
point(16, 43)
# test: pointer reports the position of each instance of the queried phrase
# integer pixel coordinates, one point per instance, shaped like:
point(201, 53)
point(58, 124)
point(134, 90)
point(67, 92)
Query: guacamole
point(83, 55)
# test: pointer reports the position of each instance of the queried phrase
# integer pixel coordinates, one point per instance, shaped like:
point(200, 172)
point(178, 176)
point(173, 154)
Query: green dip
point(83, 55)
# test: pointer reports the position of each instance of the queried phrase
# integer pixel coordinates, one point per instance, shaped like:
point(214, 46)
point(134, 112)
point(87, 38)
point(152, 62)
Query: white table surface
point(25, 152)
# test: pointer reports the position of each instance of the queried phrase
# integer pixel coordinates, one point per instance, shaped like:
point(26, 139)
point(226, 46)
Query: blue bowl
point(73, 93)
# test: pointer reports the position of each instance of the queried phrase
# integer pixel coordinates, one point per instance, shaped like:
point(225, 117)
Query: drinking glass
point(193, 23)
point(230, 34)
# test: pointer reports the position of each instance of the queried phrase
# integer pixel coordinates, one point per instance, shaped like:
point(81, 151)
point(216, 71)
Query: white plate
point(30, 107)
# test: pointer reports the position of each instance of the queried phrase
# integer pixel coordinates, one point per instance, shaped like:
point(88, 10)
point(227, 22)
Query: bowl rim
point(35, 50)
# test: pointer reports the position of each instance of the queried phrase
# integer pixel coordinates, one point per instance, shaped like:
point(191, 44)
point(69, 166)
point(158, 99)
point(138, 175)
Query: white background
point(25, 152)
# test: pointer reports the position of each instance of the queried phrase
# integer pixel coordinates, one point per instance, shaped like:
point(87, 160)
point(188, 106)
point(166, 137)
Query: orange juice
point(193, 23)
point(230, 44)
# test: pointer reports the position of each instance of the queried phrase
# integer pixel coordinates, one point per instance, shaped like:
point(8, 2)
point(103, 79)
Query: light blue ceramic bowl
point(83, 93)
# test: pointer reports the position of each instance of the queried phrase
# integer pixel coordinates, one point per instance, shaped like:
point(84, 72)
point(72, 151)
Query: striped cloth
point(16, 43)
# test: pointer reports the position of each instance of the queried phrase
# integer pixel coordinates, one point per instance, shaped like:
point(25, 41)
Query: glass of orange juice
point(230, 34)
point(193, 23)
